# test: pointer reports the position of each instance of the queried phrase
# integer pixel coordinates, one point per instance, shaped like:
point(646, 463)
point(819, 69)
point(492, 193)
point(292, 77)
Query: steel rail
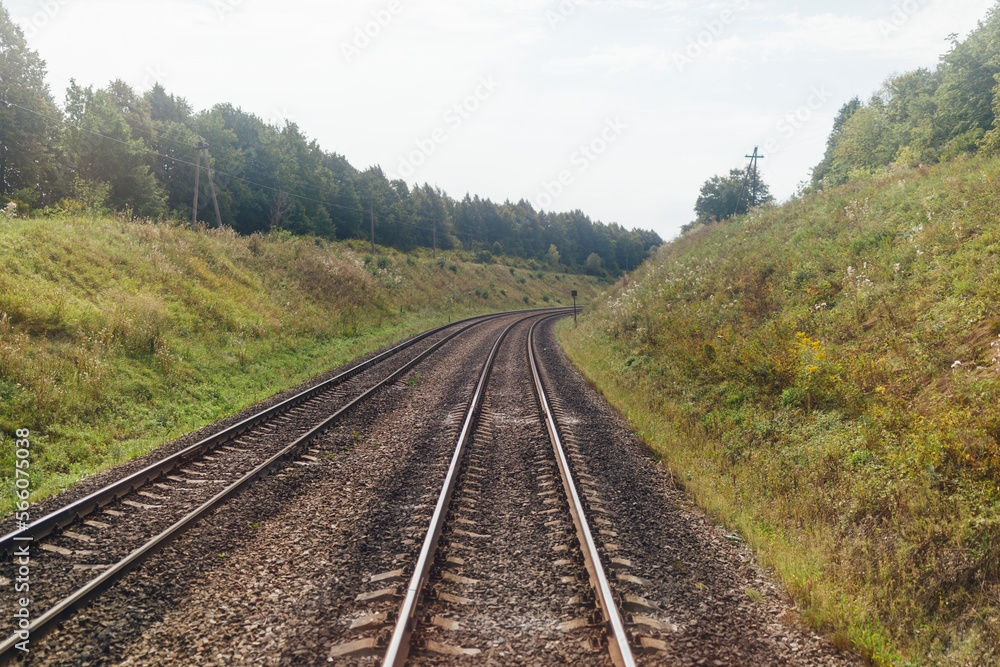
point(48, 620)
point(618, 639)
point(78, 509)
point(399, 644)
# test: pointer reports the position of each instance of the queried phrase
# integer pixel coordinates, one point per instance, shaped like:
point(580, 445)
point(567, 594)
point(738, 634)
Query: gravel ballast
point(304, 562)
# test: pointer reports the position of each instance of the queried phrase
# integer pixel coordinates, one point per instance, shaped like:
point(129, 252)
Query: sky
point(618, 108)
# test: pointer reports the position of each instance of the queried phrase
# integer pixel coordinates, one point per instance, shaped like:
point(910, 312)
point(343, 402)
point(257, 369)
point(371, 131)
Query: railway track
point(318, 562)
point(82, 549)
point(507, 567)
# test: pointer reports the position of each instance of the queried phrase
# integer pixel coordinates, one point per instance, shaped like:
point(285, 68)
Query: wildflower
point(957, 364)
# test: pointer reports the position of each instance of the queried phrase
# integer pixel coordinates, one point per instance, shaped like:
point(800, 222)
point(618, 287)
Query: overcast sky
point(620, 108)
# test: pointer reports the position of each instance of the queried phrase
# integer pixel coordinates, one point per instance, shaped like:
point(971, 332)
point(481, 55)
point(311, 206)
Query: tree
point(553, 255)
point(922, 116)
point(28, 120)
point(719, 195)
point(829, 170)
point(101, 149)
point(866, 142)
point(593, 264)
point(116, 148)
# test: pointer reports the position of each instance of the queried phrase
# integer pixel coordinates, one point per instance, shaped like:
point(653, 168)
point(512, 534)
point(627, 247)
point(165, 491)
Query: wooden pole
point(197, 179)
point(371, 201)
point(211, 183)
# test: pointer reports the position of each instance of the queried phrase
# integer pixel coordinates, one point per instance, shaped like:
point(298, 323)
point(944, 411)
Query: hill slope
point(116, 336)
point(825, 377)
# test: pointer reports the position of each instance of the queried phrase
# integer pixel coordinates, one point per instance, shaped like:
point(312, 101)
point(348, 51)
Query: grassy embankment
point(799, 370)
point(117, 336)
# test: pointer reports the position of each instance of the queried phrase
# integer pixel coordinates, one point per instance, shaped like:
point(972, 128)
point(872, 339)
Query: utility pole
point(434, 232)
point(371, 201)
point(752, 167)
point(211, 185)
point(753, 161)
point(197, 179)
point(202, 148)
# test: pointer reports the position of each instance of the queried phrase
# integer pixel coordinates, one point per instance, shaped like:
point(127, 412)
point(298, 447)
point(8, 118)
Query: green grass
point(797, 369)
point(117, 336)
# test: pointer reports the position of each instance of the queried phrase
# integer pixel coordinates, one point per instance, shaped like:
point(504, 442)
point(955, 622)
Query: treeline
point(118, 149)
point(924, 116)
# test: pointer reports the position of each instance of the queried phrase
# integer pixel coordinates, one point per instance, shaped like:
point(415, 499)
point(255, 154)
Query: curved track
point(160, 502)
point(498, 522)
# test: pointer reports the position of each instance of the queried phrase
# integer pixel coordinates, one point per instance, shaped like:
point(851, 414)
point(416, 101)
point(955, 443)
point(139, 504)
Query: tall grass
point(825, 376)
point(117, 335)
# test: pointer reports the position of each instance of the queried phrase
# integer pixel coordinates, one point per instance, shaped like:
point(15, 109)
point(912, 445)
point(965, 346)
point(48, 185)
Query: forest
point(917, 118)
point(923, 116)
point(118, 149)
